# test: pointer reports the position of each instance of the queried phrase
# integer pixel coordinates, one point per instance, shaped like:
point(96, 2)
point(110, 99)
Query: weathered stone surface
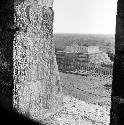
point(36, 78)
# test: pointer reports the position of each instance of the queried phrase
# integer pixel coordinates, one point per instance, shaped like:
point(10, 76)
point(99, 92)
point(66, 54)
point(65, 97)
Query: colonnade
point(96, 69)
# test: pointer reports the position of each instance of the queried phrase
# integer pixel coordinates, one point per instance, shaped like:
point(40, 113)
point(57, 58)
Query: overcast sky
point(85, 16)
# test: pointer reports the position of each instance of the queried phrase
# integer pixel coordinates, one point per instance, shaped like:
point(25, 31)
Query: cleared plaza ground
point(86, 101)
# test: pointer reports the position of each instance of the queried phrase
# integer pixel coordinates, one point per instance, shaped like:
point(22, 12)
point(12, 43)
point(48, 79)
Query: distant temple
point(90, 54)
point(75, 48)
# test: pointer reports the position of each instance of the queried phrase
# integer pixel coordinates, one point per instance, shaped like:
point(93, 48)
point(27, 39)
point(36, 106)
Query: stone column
point(37, 88)
point(117, 97)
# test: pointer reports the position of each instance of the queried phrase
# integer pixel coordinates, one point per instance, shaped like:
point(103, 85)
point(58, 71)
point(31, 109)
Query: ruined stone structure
point(88, 54)
point(37, 88)
point(96, 58)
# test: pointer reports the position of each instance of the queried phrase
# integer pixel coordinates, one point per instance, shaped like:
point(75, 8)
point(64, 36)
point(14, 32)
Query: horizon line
point(88, 33)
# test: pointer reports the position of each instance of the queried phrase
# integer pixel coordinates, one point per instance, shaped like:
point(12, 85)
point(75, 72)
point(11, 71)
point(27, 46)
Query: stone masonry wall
point(37, 89)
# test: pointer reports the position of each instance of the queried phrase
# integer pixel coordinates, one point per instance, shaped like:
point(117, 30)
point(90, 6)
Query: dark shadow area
point(6, 50)
point(11, 116)
point(117, 96)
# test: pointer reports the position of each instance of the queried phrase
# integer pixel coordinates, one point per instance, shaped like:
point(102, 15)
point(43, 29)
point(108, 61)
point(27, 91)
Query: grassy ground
point(88, 89)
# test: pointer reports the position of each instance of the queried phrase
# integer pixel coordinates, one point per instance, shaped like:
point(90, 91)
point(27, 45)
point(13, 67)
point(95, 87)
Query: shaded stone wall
point(6, 51)
point(117, 98)
point(37, 88)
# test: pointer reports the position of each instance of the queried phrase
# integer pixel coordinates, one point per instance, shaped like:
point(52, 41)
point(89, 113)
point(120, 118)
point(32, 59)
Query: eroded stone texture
point(38, 90)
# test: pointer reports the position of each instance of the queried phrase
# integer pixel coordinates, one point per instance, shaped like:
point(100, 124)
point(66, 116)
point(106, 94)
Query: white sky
point(85, 16)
